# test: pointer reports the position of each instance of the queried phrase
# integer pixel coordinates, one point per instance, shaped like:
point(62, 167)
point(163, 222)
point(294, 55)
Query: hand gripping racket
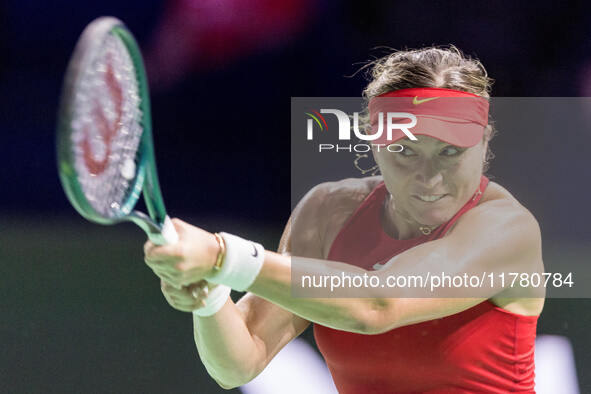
point(104, 139)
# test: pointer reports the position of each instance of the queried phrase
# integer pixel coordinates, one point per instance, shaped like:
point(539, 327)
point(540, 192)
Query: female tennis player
point(432, 210)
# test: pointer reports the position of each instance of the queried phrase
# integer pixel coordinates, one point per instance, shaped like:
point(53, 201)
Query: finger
point(200, 304)
point(182, 227)
point(148, 246)
point(169, 280)
point(164, 270)
point(177, 278)
point(166, 286)
point(187, 304)
point(184, 304)
point(179, 225)
point(182, 292)
point(169, 292)
point(170, 298)
point(150, 263)
point(183, 308)
point(162, 253)
point(199, 293)
point(175, 294)
point(199, 289)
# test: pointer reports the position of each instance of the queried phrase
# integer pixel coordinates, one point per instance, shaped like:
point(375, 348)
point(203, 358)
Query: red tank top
point(482, 349)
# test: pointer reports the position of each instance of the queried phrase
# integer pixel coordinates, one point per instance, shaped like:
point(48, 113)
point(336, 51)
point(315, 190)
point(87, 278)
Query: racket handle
point(167, 234)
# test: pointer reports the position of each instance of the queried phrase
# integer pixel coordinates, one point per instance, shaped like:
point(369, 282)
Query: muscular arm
point(497, 236)
point(238, 342)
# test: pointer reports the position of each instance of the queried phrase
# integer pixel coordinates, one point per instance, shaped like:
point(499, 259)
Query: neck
point(399, 225)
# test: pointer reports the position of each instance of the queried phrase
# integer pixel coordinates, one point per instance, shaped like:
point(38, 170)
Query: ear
point(485, 139)
point(487, 132)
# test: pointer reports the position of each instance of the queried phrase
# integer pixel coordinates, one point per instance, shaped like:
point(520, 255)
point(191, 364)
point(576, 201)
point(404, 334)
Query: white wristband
point(241, 265)
point(214, 301)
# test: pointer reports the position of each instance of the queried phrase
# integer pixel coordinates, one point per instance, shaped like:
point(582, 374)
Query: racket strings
point(107, 130)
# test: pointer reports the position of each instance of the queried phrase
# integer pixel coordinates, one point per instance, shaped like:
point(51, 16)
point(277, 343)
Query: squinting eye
point(406, 151)
point(450, 151)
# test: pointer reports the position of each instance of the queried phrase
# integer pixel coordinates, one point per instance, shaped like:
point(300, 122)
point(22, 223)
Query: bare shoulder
point(323, 211)
point(498, 201)
point(345, 193)
point(495, 192)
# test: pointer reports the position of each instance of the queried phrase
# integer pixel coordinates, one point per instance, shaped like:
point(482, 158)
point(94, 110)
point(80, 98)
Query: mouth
point(429, 198)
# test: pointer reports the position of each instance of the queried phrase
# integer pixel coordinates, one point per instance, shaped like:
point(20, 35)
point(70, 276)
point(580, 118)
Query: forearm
point(361, 315)
point(226, 347)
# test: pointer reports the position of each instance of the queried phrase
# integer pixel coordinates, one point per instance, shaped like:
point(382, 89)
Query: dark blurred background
point(79, 312)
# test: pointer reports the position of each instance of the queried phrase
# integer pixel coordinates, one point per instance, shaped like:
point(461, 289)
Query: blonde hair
point(433, 67)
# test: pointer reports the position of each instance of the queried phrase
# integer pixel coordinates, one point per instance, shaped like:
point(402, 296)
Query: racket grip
point(167, 234)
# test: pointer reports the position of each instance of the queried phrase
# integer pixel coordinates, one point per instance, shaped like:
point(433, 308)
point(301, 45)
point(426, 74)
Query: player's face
point(430, 180)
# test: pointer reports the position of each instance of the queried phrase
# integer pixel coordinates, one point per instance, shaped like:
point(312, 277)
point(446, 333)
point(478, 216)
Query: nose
point(428, 174)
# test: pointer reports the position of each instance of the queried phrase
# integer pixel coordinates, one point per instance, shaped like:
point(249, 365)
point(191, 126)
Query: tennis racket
point(104, 138)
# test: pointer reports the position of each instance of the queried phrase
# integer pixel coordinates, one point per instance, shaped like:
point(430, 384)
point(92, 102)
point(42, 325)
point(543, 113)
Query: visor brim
point(452, 131)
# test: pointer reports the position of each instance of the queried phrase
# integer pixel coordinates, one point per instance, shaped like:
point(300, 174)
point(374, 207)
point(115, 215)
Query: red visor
point(455, 117)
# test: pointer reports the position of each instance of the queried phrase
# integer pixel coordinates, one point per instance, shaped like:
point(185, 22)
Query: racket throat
point(150, 227)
